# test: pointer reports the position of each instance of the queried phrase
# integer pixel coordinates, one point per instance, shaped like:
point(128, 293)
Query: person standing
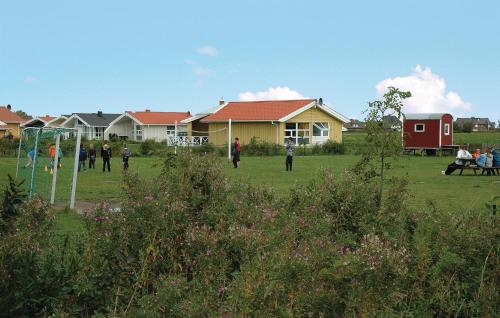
point(82, 158)
point(126, 153)
point(52, 157)
point(290, 148)
point(236, 152)
point(92, 156)
point(106, 157)
point(31, 158)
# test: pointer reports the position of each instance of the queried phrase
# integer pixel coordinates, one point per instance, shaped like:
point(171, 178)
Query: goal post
point(41, 164)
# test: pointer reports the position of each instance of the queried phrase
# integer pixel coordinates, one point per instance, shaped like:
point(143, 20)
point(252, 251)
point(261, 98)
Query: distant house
point(11, 122)
point(40, 121)
point(307, 121)
point(138, 126)
point(474, 124)
point(392, 122)
point(355, 125)
point(92, 125)
point(427, 131)
point(57, 121)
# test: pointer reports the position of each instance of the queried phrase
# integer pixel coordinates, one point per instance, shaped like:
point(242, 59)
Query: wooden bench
point(474, 168)
point(493, 170)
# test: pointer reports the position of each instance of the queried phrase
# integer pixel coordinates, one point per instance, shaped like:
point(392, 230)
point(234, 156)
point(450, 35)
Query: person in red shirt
point(236, 152)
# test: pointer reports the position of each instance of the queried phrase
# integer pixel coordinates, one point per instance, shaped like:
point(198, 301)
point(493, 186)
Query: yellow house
point(307, 121)
point(11, 122)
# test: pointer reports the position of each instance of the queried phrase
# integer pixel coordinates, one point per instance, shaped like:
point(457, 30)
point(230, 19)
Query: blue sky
point(68, 56)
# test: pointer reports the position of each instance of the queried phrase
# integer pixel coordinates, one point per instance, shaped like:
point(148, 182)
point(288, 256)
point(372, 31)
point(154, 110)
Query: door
point(321, 133)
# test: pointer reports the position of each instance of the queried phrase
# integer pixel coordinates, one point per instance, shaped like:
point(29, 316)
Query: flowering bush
point(192, 242)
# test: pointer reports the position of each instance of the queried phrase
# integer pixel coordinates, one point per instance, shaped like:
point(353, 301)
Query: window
point(138, 132)
point(181, 130)
point(419, 127)
point(299, 133)
point(446, 129)
point(97, 133)
point(320, 130)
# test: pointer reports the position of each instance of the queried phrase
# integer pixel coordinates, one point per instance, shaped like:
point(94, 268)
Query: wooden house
point(307, 121)
point(143, 125)
point(428, 131)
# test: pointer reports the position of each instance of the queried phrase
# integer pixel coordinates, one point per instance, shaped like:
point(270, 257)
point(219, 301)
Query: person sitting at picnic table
point(460, 161)
point(476, 153)
point(496, 156)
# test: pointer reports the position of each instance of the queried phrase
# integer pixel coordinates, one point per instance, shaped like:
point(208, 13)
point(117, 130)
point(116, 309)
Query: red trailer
point(428, 131)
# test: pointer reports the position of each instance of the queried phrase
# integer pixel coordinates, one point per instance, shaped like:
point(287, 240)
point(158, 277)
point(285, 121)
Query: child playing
point(126, 153)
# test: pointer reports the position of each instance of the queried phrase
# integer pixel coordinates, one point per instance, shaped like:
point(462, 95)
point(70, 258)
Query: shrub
point(261, 148)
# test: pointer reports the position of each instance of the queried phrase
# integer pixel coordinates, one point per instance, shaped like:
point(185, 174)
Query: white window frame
point(138, 132)
point(324, 127)
point(447, 129)
point(297, 133)
point(98, 132)
point(419, 131)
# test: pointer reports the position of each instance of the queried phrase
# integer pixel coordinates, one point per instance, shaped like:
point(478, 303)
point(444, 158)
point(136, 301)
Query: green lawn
point(477, 138)
point(426, 180)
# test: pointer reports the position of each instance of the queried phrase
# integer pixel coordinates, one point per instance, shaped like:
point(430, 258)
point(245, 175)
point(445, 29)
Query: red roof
point(8, 116)
point(46, 118)
point(159, 118)
point(257, 110)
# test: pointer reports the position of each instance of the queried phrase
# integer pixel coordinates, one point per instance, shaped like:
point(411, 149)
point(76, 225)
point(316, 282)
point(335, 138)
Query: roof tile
point(159, 118)
point(8, 116)
point(257, 110)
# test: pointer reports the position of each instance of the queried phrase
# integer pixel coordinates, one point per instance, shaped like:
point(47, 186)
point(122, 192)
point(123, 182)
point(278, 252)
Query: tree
point(14, 196)
point(386, 142)
point(22, 114)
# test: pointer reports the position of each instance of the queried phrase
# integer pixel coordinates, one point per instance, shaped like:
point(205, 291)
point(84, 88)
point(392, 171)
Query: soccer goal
point(47, 161)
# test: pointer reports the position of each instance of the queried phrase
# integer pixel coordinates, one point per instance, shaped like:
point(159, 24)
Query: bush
point(193, 242)
point(261, 148)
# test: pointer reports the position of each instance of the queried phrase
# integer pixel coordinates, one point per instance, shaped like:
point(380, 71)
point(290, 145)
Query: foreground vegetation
point(195, 243)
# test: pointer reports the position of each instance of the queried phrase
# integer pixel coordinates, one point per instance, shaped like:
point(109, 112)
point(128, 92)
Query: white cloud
point(199, 70)
point(273, 93)
point(30, 79)
point(428, 92)
point(208, 50)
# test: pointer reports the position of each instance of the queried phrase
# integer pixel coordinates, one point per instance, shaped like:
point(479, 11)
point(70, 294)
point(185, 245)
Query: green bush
point(261, 148)
point(193, 242)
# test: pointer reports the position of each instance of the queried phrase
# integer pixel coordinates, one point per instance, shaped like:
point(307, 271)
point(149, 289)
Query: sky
point(59, 57)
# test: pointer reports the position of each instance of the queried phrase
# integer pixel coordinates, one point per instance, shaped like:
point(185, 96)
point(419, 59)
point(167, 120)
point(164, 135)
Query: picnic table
point(470, 164)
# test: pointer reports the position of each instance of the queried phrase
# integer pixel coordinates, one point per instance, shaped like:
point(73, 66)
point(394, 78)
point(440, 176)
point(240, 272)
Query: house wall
point(274, 133)
point(156, 132)
point(14, 129)
point(317, 115)
point(427, 139)
point(122, 128)
point(447, 140)
point(245, 131)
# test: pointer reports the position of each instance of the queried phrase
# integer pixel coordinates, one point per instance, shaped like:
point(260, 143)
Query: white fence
point(187, 141)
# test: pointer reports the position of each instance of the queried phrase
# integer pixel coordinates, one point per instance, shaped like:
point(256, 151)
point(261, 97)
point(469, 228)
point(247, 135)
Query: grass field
point(426, 180)
point(477, 138)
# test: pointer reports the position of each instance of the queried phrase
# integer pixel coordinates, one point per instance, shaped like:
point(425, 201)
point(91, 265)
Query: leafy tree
point(386, 142)
point(13, 197)
point(467, 126)
point(22, 114)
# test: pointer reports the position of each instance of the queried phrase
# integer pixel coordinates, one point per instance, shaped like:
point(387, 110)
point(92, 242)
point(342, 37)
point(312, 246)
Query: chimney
point(147, 110)
point(9, 107)
point(320, 101)
point(99, 113)
point(221, 101)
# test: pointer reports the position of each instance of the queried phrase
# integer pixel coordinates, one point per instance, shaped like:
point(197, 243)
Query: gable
point(313, 114)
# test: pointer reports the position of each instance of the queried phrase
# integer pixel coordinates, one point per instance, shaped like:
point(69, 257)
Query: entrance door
point(321, 133)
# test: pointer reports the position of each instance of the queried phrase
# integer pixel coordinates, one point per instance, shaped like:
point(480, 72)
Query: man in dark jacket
point(82, 158)
point(106, 157)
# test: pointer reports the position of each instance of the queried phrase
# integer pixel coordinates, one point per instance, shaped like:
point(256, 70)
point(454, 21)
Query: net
point(46, 163)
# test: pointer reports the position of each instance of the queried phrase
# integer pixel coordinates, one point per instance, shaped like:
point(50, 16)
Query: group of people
point(488, 159)
point(290, 149)
point(106, 154)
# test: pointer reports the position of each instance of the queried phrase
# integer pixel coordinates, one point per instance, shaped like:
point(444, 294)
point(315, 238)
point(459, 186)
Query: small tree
point(386, 142)
point(13, 197)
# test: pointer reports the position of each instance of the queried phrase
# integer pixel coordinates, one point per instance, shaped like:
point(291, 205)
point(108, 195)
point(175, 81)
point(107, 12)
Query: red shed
point(428, 131)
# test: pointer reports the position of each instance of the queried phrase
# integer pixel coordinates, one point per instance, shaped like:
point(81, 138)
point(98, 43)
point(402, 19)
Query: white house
point(143, 125)
point(92, 125)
